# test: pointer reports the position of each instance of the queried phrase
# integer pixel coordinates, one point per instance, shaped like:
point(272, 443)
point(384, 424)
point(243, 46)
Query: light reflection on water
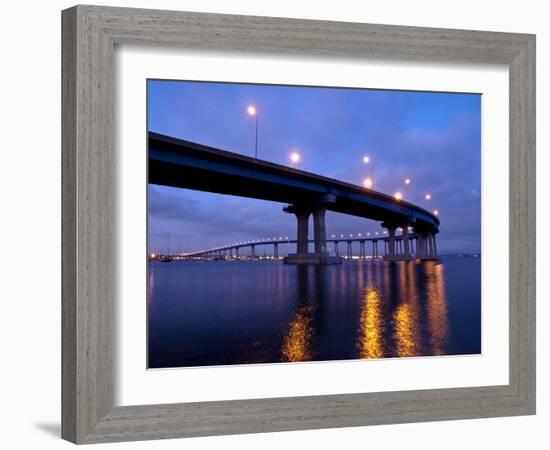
point(406, 320)
point(437, 309)
point(297, 341)
point(370, 341)
point(217, 313)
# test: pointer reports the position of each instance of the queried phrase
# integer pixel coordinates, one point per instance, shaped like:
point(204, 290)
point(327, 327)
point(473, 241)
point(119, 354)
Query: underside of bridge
point(320, 254)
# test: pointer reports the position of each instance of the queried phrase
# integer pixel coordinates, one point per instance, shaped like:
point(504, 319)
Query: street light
point(369, 180)
point(253, 112)
point(407, 181)
point(436, 212)
point(398, 195)
point(428, 196)
point(295, 157)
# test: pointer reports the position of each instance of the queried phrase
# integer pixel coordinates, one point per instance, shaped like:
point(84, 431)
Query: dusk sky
point(432, 138)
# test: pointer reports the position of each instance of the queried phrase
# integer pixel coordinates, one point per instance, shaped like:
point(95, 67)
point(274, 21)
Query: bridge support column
point(419, 244)
point(390, 254)
point(302, 237)
point(425, 245)
point(276, 250)
point(362, 249)
point(319, 230)
point(349, 253)
point(336, 248)
point(302, 212)
point(406, 243)
point(253, 251)
point(432, 249)
point(237, 252)
point(399, 247)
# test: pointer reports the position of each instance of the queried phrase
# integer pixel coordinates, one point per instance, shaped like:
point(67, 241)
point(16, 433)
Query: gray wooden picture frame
point(90, 34)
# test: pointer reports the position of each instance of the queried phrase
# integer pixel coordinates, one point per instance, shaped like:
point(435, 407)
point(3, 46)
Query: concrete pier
point(302, 211)
point(426, 249)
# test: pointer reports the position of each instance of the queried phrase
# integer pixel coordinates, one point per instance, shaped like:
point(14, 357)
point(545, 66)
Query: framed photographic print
point(277, 224)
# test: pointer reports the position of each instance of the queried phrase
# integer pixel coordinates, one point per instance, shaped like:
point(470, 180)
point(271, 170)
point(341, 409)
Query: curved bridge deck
point(184, 164)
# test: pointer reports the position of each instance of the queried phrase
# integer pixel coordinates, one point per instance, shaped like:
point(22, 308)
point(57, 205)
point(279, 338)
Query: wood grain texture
point(68, 225)
point(90, 34)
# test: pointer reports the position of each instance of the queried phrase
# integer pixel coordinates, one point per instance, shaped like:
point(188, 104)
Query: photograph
point(259, 225)
point(291, 224)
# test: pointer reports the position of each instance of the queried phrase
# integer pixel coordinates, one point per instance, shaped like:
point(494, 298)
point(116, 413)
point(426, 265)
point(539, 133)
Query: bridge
point(234, 249)
point(183, 164)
